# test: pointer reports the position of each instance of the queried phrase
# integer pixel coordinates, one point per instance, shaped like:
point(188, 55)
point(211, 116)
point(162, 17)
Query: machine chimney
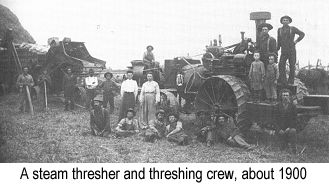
point(259, 18)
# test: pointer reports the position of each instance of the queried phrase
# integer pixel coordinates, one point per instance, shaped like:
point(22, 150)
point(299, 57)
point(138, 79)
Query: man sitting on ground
point(157, 127)
point(205, 128)
point(99, 119)
point(127, 126)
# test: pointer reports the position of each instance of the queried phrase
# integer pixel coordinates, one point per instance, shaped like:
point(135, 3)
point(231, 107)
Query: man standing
point(267, 44)
point(149, 98)
point(109, 86)
point(24, 80)
point(129, 91)
point(99, 119)
point(69, 83)
point(287, 43)
point(91, 82)
point(286, 120)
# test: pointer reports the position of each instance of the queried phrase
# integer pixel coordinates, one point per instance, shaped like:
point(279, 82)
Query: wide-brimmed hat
point(149, 46)
point(287, 17)
point(98, 98)
point(160, 111)
point(131, 110)
point(262, 25)
point(108, 73)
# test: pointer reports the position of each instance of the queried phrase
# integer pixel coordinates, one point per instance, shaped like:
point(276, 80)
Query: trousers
point(291, 56)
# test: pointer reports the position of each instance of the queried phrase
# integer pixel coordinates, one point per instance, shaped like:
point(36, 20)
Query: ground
point(58, 136)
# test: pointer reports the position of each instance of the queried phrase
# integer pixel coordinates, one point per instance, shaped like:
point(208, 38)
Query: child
point(271, 77)
point(256, 77)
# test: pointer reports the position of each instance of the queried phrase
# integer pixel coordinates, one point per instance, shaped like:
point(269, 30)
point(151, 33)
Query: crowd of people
point(156, 122)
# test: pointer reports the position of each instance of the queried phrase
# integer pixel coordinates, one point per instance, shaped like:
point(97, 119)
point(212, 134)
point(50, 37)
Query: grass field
point(58, 136)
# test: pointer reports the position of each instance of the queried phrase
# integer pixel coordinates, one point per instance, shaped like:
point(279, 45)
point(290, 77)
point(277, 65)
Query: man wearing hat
point(148, 56)
point(287, 43)
point(99, 119)
point(91, 83)
point(109, 87)
point(267, 44)
point(157, 127)
point(127, 126)
point(174, 130)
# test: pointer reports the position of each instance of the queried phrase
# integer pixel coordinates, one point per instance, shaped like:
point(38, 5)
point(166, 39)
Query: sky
point(118, 31)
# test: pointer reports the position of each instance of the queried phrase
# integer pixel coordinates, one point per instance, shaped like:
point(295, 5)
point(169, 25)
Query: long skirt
point(148, 108)
point(128, 101)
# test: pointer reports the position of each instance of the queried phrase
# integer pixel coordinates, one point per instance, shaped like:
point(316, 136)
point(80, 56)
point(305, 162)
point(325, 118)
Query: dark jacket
point(286, 36)
point(267, 45)
point(286, 118)
point(69, 83)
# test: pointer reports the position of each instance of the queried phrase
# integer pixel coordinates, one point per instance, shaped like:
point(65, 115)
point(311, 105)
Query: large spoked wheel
point(229, 92)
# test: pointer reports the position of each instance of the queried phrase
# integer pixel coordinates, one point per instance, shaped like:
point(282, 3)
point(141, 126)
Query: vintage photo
point(158, 81)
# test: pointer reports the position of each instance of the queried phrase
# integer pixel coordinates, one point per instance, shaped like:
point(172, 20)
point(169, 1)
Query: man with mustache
point(286, 121)
point(267, 44)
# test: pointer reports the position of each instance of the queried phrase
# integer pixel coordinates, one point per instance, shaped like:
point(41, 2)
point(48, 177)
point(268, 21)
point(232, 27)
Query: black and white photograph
point(164, 81)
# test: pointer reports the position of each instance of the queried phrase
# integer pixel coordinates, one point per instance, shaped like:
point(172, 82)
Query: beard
point(264, 35)
point(286, 101)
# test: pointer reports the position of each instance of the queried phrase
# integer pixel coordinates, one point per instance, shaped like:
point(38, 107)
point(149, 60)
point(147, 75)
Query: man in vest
point(287, 42)
point(267, 44)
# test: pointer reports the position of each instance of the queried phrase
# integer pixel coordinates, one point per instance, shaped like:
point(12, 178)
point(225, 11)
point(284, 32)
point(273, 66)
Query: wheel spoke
point(205, 90)
point(223, 94)
point(213, 92)
point(204, 102)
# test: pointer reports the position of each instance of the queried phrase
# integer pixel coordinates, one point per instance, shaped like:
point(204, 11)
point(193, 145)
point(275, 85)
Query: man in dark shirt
point(109, 89)
point(267, 44)
point(287, 43)
point(99, 119)
point(69, 83)
point(286, 120)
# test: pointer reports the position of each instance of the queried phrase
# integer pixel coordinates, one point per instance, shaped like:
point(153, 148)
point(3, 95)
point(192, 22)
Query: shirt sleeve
point(122, 88)
point(157, 92)
point(19, 81)
point(31, 82)
point(179, 125)
point(141, 95)
point(299, 33)
point(250, 70)
point(136, 89)
point(278, 40)
point(121, 123)
point(262, 68)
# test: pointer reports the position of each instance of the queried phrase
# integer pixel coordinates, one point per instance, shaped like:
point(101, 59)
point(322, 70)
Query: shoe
point(208, 143)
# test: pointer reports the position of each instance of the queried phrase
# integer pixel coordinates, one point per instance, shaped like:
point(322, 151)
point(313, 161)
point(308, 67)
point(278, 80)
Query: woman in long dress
point(149, 98)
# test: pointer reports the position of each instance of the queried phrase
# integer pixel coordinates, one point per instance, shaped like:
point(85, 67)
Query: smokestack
point(219, 40)
point(259, 18)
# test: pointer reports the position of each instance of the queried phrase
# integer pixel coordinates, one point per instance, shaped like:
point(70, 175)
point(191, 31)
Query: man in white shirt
point(129, 91)
point(91, 82)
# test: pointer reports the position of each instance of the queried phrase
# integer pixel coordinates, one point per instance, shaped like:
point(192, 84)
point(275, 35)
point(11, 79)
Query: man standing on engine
point(287, 43)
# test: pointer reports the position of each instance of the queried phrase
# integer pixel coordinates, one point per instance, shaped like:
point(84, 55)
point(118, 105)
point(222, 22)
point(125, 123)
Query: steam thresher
point(221, 79)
